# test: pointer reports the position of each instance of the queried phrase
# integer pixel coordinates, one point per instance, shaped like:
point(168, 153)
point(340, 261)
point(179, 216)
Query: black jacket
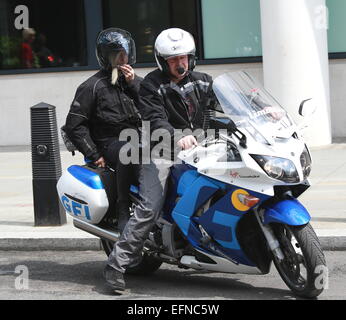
point(174, 106)
point(100, 111)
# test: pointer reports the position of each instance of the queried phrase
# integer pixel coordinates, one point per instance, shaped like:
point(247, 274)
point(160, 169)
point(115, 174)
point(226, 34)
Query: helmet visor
point(123, 47)
point(119, 58)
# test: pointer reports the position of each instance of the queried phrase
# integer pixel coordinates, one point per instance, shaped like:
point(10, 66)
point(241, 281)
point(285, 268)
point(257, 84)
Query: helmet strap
point(192, 62)
point(164, 65)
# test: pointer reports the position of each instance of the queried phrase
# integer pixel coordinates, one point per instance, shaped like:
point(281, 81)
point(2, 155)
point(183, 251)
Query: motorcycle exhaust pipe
point(97, 231)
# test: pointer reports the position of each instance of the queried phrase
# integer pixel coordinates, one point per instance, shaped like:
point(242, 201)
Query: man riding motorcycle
point(170, 98)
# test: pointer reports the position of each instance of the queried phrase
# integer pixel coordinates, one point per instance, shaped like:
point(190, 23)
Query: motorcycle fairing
point(177, 172)
point(197, 194)
point(219, 221)
point(290, 212)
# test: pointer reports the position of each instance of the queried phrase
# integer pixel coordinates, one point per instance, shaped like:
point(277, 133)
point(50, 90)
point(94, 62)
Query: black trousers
point(126, 173)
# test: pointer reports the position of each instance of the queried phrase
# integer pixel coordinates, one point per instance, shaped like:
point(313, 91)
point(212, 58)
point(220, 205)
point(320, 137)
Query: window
point(145, 19)
point(337, 25)
point(55, 37)
point(65, 31)
point(231, 28)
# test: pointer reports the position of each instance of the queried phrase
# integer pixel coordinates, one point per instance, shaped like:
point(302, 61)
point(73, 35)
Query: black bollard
point(46, 166)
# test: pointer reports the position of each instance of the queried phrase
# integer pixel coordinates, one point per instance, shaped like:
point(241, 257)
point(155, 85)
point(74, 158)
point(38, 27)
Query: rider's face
point(174, 63)
point(119, 59)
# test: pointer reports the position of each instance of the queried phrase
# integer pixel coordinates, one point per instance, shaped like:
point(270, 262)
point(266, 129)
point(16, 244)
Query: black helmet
point(111, 41)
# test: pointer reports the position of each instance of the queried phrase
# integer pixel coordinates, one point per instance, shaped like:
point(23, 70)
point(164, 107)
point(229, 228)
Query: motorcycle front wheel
point(303, 267)
point(146, 266)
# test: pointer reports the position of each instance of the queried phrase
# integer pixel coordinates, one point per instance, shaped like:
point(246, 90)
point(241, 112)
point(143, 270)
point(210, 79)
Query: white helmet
point(174, 42)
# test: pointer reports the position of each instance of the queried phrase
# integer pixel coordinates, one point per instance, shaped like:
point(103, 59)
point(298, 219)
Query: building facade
point(295, 47)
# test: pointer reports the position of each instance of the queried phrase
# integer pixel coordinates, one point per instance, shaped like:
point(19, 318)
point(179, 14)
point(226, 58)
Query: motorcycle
point(231, 204)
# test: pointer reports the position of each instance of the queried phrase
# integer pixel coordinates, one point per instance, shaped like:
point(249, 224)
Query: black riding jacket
point(174, 106)
point(100, 111)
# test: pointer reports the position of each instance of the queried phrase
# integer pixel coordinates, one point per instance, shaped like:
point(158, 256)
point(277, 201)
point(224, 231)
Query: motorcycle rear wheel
point(148, 264)
point(303, 268)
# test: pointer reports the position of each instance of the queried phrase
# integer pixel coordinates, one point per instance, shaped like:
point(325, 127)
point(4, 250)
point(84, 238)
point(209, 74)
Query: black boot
point(114, 278)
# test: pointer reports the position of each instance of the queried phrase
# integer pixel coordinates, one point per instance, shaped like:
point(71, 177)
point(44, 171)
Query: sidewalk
point(325, 200)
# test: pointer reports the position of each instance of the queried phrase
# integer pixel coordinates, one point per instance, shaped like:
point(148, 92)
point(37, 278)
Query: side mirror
point(307, 108)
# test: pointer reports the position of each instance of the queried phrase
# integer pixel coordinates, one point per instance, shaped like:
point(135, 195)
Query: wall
point(19, 92)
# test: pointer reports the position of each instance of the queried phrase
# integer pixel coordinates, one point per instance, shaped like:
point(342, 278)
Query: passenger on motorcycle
point(103, 106)
point(171, 97)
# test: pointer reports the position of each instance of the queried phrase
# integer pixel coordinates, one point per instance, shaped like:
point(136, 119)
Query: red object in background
point(27, 55)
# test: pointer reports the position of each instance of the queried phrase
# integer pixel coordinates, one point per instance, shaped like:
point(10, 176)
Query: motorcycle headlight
point(305, 161)
point(278, 168)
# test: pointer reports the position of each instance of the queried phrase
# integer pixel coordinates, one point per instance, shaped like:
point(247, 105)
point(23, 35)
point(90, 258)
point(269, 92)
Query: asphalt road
point(76, 275)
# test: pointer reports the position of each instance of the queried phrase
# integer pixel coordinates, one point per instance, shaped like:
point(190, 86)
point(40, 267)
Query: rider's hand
point(187, 142)
point(128, 72)
point(100, 162)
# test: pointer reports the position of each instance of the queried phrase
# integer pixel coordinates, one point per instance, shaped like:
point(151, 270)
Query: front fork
point(272, 241)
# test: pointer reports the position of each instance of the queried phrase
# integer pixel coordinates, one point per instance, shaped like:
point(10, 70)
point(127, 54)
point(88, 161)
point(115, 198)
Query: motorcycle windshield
point(251, 107)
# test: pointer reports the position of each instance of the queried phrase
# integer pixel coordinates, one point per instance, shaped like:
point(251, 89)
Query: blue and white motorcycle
point(232, 203)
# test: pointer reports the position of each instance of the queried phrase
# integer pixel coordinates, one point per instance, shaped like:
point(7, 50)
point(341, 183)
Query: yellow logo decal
point(236, 202)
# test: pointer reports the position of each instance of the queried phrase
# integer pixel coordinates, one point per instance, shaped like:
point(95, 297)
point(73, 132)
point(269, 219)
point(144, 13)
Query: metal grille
point(46, 162)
